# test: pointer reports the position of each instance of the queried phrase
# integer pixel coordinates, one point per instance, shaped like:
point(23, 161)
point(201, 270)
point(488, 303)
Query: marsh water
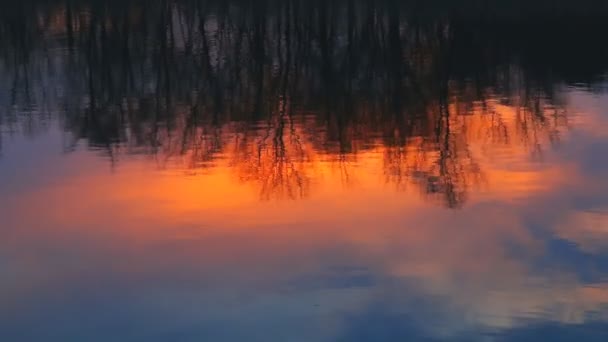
point(303, 170)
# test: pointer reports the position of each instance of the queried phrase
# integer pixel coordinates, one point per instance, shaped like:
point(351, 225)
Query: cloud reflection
point(257, 174)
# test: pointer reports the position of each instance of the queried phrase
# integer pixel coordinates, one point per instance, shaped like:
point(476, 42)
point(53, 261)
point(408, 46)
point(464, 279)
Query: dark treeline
point(188, 77)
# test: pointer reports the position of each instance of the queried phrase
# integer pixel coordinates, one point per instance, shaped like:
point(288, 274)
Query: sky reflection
point(259, 175)
point(190, 253)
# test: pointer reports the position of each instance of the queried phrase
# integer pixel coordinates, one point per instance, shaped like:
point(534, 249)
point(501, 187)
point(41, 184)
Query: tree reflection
point(277, 87)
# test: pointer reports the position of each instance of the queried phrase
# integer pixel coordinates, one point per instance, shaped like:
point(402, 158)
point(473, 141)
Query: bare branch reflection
point(281, 88)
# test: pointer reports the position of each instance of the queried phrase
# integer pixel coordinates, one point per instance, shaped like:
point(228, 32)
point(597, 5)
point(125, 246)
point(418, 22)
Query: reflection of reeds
point(278, 85)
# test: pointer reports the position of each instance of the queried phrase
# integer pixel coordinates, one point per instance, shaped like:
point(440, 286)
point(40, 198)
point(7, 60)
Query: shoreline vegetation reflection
point(322, 170)
point(278, 90)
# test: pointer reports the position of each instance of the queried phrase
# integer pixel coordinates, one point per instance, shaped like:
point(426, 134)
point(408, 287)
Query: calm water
point(303, 171)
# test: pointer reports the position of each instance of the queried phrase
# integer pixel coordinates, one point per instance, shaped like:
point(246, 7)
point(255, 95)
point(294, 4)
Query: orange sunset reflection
point(272, 202)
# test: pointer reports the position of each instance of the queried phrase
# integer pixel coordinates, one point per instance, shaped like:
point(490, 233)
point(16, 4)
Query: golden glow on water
point(264, 216)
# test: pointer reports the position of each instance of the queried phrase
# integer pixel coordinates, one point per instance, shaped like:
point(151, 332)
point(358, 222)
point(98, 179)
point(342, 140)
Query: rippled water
point(303, 171)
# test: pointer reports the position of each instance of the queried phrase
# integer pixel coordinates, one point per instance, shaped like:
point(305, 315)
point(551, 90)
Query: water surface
point(303, 171)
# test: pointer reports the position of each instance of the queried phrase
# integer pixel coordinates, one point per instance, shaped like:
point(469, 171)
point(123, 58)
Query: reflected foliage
point(277, 87)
